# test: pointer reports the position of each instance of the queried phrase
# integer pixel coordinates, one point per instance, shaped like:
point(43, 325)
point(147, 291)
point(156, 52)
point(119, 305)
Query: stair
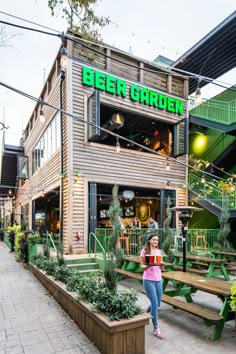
point(83, 265)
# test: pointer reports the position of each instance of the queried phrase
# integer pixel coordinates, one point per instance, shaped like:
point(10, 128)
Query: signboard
point(113, 85)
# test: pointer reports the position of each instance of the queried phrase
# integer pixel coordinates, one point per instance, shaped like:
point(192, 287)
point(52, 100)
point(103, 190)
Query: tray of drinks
point(154, 264)
point(153, 260)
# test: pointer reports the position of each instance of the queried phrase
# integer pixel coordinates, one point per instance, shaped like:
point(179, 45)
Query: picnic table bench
point(186, 285)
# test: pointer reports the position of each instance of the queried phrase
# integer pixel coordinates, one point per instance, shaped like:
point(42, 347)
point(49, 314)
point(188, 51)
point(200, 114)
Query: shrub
point(233, 297)
point(62, 273)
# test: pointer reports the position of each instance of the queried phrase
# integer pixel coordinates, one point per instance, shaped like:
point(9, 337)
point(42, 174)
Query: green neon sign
point(118, 87)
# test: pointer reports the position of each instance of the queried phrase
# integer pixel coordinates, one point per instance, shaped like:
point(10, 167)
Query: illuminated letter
point(121, 88)
point(134, 93)
point(99, 81)
point(110, 84)
point(87, 76)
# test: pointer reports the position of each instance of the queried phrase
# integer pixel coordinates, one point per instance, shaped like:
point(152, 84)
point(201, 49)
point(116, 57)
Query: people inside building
point(136, 224)
point(152, 224)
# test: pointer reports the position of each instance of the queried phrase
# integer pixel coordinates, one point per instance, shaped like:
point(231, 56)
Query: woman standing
point(152, 280)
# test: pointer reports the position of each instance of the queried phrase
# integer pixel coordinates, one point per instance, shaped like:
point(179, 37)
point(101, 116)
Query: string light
point(167, 165)
point(117, 145)
point(203, 179)
point(41, 114)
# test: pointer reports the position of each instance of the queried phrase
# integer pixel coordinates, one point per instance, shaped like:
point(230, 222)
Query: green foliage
point(197, 164)
point(116, 304)
point(119, 257)
point(110, 274)
point(18, 239)
point(233, 297)
point(33, 238)
point(60, 256)
point(224, 226)
point(39, 260)
point(113, 212)
point(62, 273)
point(168, 233)
point(73, 282)
point(80, 16)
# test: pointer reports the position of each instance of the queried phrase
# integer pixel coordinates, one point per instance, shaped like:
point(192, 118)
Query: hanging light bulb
point(203, 179)
point(117, 145)
point(167, 166)
point(41, 114)
point(198, 97)
point(42, 195)
point(10, 192)
point(100, 198)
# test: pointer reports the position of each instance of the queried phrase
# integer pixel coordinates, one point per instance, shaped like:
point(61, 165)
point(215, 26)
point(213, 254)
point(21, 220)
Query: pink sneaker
point(157, 333)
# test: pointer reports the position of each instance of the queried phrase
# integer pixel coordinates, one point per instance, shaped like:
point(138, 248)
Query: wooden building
point(142, 109)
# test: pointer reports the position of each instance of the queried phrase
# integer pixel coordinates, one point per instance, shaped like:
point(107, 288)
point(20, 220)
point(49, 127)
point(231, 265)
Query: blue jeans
point(154, 292)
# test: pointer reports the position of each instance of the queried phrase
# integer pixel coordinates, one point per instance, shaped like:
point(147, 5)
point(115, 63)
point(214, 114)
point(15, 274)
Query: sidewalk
point(31, 321)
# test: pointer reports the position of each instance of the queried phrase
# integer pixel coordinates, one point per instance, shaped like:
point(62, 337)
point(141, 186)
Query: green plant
point(233, 297)
point(224, 226)
point(62, 273)
point(33, 238)
point(117, 304)
point(39, 260)
point(73, 282)
point(168, 234)
point(60, 256)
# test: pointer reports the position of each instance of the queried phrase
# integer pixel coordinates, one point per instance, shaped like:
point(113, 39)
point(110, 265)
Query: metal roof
point(213, 55)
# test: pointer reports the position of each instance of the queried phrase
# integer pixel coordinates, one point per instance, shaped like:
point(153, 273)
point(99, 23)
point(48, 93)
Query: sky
point(144, 28)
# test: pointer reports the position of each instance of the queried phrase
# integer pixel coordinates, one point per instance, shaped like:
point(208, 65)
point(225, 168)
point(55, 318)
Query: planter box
point(126, 336)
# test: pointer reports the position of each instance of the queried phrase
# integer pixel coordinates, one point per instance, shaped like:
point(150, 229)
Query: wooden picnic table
point(215, 266)
point(187, 284)
point(224, 254)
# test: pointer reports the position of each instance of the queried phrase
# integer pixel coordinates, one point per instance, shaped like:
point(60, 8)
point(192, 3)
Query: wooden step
point(194, 309)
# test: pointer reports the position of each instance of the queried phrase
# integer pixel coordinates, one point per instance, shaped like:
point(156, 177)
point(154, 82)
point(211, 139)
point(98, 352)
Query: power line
point(168, 158)
point(164, 72)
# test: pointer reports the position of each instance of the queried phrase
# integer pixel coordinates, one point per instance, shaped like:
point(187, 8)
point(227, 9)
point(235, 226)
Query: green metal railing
point(137, 240)
point(209, 192)
point(215, 111)
point(97, 247)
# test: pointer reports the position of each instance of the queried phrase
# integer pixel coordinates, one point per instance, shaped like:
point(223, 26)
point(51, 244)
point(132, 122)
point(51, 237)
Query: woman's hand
point(144, 266)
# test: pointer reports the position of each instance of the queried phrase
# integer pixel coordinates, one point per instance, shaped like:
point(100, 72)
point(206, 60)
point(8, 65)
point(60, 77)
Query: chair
point(200, 242)
point(124, 238)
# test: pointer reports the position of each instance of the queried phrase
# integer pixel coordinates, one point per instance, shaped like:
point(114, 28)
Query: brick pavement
point(31, 321)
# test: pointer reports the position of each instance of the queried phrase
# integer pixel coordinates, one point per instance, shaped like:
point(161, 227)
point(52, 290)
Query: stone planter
point(126, 336)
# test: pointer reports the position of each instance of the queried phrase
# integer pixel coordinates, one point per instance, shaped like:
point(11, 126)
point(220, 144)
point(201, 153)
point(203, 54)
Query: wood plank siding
point(100, 163)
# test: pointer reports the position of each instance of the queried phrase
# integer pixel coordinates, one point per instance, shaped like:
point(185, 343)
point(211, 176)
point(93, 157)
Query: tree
point(109, 269)
point(80, 16)
point(168, 232)
point(6, 37)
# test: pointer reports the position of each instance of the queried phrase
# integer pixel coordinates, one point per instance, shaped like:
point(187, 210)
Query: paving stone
point(33, 337)
point(58, 344)
point(7, 343)
point(45, 347)
point(2, 335)
point(70, 341)
point(14, 350)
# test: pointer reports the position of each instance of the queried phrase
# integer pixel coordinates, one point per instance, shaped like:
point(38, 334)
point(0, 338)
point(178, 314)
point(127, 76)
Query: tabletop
point(192, 257)
point(224, 253)
point(212, 286)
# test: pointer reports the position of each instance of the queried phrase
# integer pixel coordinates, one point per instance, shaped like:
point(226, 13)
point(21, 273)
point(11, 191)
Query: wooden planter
point(126, 336)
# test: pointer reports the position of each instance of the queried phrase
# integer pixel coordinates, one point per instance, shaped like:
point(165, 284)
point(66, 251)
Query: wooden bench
point(194, 309)
point(126, 273)
point(191, 270)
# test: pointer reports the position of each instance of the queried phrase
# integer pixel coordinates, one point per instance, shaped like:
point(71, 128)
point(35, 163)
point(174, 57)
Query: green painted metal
point(100, 241)
point(214, 110)
point(219, 144)
point(210, 192)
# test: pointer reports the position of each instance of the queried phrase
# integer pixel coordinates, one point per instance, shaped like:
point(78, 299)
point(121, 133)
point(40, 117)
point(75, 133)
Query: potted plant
point(106, 316)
